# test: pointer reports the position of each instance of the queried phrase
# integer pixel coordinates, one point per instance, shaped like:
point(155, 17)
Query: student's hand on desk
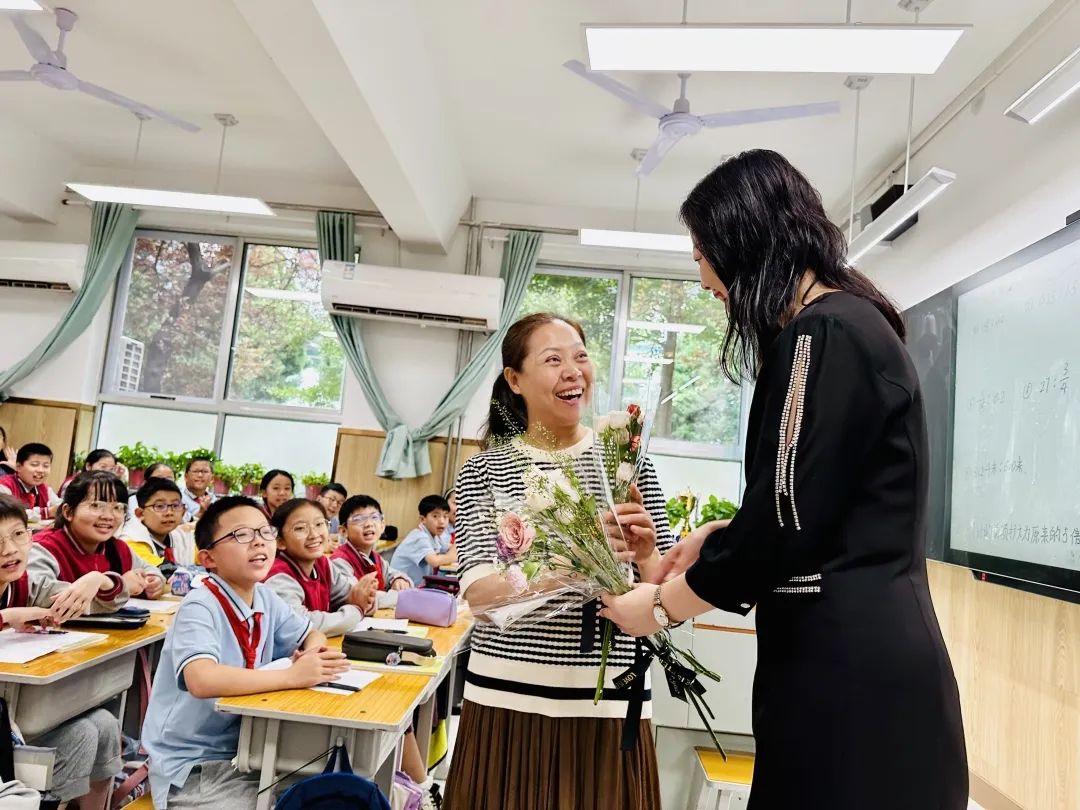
point(155, 586)
point(135, 581)
point(76, 598)
point(315, 666)
point(401, 584)
point(20, 617)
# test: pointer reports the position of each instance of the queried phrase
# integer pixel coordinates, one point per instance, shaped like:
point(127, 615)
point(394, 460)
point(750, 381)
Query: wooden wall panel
point(355, 457)
point(64, 426)
point(1017, 661)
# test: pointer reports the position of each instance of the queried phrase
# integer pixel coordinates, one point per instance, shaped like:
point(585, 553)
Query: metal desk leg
point(269, 764)
point(384, 777)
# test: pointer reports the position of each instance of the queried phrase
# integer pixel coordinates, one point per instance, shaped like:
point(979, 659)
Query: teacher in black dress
point(855, 704)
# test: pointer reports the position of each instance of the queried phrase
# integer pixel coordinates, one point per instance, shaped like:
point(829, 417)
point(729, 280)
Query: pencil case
point(391, 649)
point(426, 606)
point(126, 618)
point(442, 582)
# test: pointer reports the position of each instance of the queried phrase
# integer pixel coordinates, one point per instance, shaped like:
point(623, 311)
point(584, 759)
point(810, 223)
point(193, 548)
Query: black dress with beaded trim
point(855, 703)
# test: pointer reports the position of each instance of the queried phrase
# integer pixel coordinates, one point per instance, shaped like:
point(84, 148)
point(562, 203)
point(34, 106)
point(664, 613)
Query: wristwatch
point(658, 611)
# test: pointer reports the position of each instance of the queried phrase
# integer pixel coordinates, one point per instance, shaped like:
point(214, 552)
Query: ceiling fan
point(51, 70)
point(678, 122)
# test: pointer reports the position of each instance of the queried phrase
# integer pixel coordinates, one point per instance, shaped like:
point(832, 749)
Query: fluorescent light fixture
point(20, 5)
point(158, 198)
point(636, 240)
point(284, 295)
point(1050, 91)
point(771, 48)
point(644, 358)
point(657, 326)
point(929, 186)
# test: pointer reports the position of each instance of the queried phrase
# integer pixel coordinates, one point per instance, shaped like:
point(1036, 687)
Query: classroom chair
point(719, 785)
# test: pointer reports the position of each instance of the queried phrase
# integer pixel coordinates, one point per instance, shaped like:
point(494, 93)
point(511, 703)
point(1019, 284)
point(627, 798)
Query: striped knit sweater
point(541, 668)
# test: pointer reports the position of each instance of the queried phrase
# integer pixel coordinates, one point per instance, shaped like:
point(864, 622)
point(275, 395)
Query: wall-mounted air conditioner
point(411, 296)
point(53, 266)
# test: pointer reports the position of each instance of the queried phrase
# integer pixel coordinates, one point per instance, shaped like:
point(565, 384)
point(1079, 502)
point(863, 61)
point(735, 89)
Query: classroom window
point(171, 319)
point(298, 447)
point(286, 351)
point(170, 431)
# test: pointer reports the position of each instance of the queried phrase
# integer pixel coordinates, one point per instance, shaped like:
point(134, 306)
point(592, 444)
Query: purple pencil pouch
point(427, 606)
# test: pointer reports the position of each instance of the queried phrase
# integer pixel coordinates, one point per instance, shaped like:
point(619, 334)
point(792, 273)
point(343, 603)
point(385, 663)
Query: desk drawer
point(43, 708)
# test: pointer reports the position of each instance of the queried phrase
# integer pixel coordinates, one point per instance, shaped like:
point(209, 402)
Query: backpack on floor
point(336, 788)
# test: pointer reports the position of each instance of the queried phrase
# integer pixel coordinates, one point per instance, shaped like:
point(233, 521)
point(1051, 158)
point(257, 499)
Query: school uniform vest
point(17, 593)
point(112, 555)
point(36, 497)
point(360, 565)
point(316, 587)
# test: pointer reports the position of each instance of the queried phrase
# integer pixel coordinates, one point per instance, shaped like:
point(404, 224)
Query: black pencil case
point(392, 649)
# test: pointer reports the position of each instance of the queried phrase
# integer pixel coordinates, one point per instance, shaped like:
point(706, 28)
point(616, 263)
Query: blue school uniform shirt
point(409, 556)
point(181, 731)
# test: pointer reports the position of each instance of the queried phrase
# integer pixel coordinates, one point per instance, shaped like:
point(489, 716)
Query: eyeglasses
point(100, 508)
point(370, 517)
point(20, 538)
point(162, 508)
point(245, 535)
point(302, 530)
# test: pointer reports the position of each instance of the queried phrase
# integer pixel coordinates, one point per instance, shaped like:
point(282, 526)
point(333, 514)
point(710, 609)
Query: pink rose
point(515, 537)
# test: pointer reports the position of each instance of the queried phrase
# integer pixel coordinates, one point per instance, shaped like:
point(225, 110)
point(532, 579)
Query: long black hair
point(507, 414)
point(761, 225)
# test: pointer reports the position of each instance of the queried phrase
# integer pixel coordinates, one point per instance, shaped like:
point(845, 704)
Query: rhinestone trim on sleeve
point(793, 413)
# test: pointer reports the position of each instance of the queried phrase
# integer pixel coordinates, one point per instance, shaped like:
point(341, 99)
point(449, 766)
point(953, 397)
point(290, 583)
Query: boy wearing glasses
point(223, 632)
point(362, 525)
point(153, 533)
point(87, 746)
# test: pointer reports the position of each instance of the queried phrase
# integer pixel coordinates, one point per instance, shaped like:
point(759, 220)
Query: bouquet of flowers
point(623, 437)
point(552, 543)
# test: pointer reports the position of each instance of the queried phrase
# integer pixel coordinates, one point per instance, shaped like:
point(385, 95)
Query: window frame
point(219, 404)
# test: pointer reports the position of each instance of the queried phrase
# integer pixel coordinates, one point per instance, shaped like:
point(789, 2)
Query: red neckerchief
point(248, 640)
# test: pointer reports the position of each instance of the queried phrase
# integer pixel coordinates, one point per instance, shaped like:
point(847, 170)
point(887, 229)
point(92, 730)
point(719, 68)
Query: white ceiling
point(526, 130)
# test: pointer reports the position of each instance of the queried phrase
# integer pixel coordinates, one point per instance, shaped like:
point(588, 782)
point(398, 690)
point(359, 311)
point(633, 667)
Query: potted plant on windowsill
point(250, 477)
point(684, 515)
point(136, 458)
point(227, 478)
point(314, 482)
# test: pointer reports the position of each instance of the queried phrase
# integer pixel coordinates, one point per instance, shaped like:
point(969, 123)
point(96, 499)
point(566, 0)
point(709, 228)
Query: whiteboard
point(1016, 435)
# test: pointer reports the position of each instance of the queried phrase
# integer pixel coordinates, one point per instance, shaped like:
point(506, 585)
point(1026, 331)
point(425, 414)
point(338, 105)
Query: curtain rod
point(369, 214)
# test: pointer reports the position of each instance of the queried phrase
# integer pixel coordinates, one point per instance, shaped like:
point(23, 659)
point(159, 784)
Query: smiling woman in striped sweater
point(530, 736)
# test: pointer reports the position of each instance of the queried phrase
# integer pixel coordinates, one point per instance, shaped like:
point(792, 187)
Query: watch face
point(661, 616)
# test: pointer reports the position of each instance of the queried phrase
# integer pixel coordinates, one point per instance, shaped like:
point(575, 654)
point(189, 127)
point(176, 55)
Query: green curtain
point(405, 452)
point(112, 227)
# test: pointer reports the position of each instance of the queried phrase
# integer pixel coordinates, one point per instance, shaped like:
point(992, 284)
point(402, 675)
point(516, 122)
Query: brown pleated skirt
point(507, 760)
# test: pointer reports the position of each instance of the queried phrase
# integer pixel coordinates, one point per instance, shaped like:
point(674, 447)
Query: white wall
point(1015, 183)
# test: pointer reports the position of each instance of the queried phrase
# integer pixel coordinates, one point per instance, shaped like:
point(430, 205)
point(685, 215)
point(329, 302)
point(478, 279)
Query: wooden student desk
point(372, 722)
point(42, 693)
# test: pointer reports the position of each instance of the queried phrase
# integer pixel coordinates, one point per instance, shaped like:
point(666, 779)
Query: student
point(84, 540)
point(362, 525)
point(153, 534)
point(87, 746)
point(29, 482)
point(275, 488)
point(419, 554)
point(332, 496)
point(7, 454)
point(331, 598)
point(198, 491)
point(159, 469)
point(222, 633)
point(99, 459)
point(449, 537)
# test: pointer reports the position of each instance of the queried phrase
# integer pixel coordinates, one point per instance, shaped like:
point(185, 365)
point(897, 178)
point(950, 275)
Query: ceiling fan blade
point(134, 106)
point(738, 117)
point(661, 146)
point(15, 76)
point(34, 42)
point(617, 88)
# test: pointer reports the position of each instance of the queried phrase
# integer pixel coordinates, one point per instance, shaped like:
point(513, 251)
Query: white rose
point(622, 436)
point(565, 515)
point(560, 482)
point(537, 501)
point(602, 424)
point(625, 472)
point(619, 419)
